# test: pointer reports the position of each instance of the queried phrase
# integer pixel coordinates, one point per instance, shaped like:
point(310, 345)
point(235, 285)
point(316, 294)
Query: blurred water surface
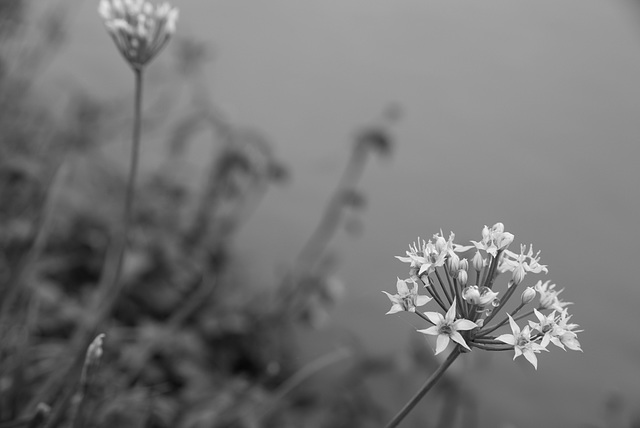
point(520, 112)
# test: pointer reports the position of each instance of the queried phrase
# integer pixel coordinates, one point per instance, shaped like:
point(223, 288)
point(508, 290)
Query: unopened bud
point(477, 261)
point(441, 243)
point(453, 262)
point(464, 264)
point(462, 277)
point(528, 295)
point(94, 352)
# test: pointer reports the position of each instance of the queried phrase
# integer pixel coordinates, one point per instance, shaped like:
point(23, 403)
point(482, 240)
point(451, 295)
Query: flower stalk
point(433, 379)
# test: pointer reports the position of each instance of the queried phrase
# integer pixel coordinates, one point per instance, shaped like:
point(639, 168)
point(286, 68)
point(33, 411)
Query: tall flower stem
point(433, 379)
point(109, 286)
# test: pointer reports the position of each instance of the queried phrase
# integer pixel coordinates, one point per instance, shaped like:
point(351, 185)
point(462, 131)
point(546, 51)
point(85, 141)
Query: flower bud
point(441, 243)
point(463, 277)
point(464, 264)
point(94, 351)
point(528, 295)
point(477, 261)
point(453, 262)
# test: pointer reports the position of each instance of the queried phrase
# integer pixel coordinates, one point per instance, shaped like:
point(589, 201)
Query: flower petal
point(433, 330)
point(457, 337)
point(451, 313)
point(441, 343)
point(435, 317)
point(531, 357)
point(395, 309)
point(509, 339)
point(423, 300)
point(464, 324)
point(403, 290)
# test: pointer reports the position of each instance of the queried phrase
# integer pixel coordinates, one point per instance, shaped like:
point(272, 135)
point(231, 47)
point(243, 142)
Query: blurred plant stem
point(109, 286)
point(433, 379)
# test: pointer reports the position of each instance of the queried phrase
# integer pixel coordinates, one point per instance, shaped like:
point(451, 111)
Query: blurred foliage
point(190, 343)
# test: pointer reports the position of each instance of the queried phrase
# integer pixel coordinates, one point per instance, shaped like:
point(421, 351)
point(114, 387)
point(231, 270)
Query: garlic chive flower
point(549, 296)
point(522, 342)
point(425, 256)
point(494, 239)
point(447, 328)
point(406, 299)
point(521, 264)
point(140, 28)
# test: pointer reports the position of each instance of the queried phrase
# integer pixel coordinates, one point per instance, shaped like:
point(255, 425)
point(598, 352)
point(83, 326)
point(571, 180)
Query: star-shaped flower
point(522, 343)
point(425, 256)
point(407, 298)
point(447, 328)
point(521, 264)
point(549, 296)
point(494, 239)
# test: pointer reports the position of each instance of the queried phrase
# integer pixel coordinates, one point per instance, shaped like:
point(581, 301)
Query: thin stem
point(501, 323)
point(488, 281)
point(433, 379)
point(424, 317)
point(432, 290)
point(491, 348)
point(503, 302)
point(444, 288)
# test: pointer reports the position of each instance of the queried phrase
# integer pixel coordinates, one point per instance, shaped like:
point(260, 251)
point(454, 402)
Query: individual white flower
point(494, 239)
point(406, 299)
point(415, 255)
point(566, 332)
point(521, 264)
point(140, 28)
point(447, 328)
point(549, 296)
point(522, 343)
point(450, 249)
point(425, 256)
point(480, 296)
point(547, 326)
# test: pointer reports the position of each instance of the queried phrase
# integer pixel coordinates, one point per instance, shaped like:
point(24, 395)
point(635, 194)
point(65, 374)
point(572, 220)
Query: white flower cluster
point(469, 309)
point(139, 28)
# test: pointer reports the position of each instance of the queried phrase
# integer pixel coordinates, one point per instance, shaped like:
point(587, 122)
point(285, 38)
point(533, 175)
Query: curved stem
point(433, 379)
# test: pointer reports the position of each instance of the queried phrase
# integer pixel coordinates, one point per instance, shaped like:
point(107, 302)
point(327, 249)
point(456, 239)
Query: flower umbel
point(447, 327)
point(476, 308)
point(407, 298)
point(139, 28)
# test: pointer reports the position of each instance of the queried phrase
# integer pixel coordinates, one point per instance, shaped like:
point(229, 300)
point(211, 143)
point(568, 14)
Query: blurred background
point(520, 112)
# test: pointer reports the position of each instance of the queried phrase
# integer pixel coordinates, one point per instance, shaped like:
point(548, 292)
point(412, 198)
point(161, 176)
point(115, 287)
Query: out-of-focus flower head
point(140, 28)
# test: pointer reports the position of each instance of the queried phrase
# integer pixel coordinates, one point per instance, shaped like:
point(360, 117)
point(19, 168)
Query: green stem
point(433, 379)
